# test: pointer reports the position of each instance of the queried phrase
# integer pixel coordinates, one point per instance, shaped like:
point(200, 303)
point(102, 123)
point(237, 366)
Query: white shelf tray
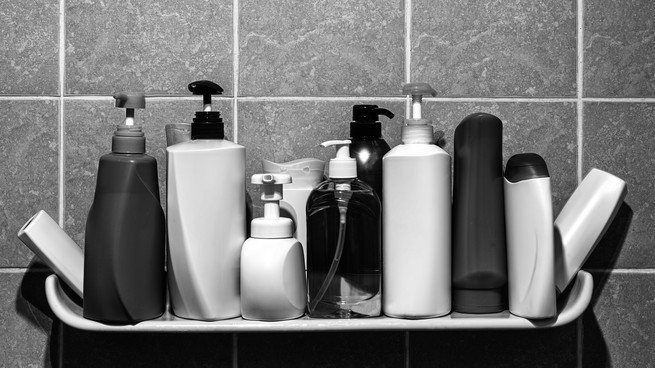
point(569, 308)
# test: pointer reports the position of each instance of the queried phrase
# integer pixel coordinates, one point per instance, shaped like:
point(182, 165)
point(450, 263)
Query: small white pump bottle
point(273, 283)
point(529, 232)
point(416, 220)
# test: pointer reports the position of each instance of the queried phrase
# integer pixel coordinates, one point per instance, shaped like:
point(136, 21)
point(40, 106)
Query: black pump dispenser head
point(207, 124)
point(129, 138)
point(365, 121)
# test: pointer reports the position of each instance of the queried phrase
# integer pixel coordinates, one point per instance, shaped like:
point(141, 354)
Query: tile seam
point(62, 87)
point(235, 70)
point(580, 87)
point(408, 49)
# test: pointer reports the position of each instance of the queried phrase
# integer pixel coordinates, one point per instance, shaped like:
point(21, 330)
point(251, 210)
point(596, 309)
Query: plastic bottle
point(206, 217)
point(479, 250)
point(124, 255)
point(583, 221)
point(529, 229)
point(273, 283)
point(416, 220)
point(305, 173)
point(343, 243)
point(367, 146)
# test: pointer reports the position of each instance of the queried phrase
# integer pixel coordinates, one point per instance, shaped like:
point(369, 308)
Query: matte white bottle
point(206, 218)
point(529, 232)
point(416, 220)
point(273, 283)
point(583, 221)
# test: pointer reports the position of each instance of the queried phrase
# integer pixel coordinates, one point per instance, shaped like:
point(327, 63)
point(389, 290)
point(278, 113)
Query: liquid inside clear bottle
point(344, 233)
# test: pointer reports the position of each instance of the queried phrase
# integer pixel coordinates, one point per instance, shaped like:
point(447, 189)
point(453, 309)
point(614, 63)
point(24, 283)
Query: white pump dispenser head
point(417, 129)
point(342, 166)
point(271, 226)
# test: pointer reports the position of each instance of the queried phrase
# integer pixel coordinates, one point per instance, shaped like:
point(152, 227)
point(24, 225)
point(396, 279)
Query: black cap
point(365, 121)
point(524, 166)
point(207, 124)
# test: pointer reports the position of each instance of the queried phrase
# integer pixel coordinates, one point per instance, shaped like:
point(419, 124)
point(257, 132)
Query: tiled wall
point(573, 80)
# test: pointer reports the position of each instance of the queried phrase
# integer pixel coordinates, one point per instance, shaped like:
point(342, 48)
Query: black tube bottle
point(479, 249)
point(124, 256)
point(368, 147)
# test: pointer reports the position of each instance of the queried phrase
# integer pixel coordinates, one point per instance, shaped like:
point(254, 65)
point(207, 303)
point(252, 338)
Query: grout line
point(620, 99)
point(408, 50)
point(29, 98)
point(580, 88)
point(235, 71)
point(62, 88)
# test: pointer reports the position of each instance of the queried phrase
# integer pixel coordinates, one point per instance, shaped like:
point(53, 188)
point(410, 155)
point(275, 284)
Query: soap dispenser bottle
point(273, 283)
point(479, 250)
point(124, 255)
point(305, 173)
point(206, 216)
point(343, 243)
point(368, 147)
point(416, 220)
point(530, 245)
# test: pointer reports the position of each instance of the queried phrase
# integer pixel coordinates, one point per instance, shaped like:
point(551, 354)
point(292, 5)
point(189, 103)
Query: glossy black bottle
point(367, 146)
point(478, 218)
point(124, 257)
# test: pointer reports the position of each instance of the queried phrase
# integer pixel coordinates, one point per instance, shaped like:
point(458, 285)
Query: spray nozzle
point(206, 89)
point(271, 226)
point(130, 101)
point(366, 121)
point(342, 166)
point(417, 90)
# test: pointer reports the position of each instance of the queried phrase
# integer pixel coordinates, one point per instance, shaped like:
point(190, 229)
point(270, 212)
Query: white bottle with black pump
point(416, 220)
point(206, 217)
point(273, 283)
point(529, 232)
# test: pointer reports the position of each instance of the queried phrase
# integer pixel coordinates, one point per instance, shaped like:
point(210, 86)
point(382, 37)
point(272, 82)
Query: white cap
point(342, 166)
point(417, 129)
point(271, 226)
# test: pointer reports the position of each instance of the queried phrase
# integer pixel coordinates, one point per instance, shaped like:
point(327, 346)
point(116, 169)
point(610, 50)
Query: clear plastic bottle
point(343, 243)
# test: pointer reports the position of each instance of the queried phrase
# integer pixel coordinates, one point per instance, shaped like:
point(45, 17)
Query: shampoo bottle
point(583, 221)
point(529, 229)
point(124, 255)
point(343, 243)
point(305, 173)
point(479, 251)
point(272, 262)
point(368, 147)
point(416, 220)
point(206, 217)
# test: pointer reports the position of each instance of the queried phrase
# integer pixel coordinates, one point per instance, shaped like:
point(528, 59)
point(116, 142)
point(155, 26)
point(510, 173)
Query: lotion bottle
point(529, 230)
point(206, 217)
point(305, 173)
point(343, 243)
point(124, 253)
point(416, 220)
point(583, 221)
point(368, 147)
point(479, 250)
point(273, 284)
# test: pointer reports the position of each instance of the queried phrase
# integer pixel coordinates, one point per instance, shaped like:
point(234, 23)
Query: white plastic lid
point(342, 166)
point(271, 226)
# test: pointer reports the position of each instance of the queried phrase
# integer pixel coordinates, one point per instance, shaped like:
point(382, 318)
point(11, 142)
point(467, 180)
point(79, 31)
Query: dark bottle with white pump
point(368, 147)
point(124, 256)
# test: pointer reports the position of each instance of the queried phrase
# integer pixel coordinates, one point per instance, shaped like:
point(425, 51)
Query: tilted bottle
point(124, 255)
point(479, 250)
point(416, 220)
point(343, 243)
point(273, 283)
point(530, 245)
point(368, 147)
point(206, 217)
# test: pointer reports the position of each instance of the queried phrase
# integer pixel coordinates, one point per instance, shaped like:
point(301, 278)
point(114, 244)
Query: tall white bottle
point(206, 217)
point(529, 232)
point(273, 283)
point(416, 220)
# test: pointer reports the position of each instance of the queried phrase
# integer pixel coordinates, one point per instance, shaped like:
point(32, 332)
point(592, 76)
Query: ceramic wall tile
point(153, 46)
point(321, 48)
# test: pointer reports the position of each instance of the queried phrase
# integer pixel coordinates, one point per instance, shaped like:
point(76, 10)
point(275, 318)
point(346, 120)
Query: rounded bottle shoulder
point(416, 150)
point(127, 157)
point(204, 145)
point(356, 185)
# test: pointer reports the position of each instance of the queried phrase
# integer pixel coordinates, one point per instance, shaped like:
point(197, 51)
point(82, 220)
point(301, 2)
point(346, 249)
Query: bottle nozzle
point(271, 225)
point(417, 90)
point(130, 101)
point(342, 166)
point(206, 89)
